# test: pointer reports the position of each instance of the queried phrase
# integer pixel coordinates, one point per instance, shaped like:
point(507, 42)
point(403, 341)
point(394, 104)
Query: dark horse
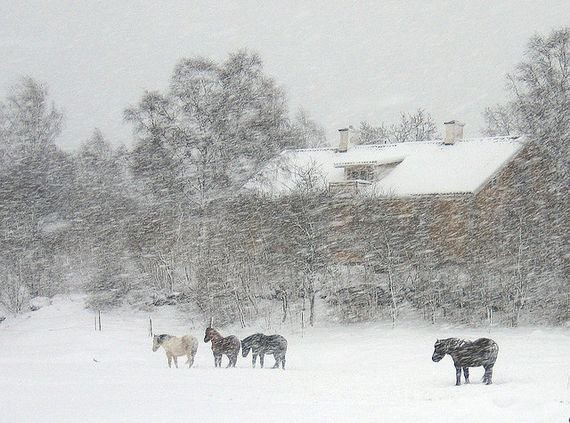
point(220, 345)
point(261, 344)
point(465, 354)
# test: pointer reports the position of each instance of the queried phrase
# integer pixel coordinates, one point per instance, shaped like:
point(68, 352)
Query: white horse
point(175, 347)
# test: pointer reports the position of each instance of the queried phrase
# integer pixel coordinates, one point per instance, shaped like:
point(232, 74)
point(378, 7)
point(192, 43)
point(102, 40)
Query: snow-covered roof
point(418, 168)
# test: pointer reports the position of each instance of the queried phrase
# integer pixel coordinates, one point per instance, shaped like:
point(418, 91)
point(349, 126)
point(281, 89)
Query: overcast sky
point(343, 61)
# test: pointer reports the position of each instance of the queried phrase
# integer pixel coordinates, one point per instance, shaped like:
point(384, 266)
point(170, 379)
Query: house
point(465, 225)
point(450, 196)
point(449, 166)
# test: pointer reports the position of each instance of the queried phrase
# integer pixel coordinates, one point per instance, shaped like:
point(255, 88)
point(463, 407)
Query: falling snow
point(188, 186)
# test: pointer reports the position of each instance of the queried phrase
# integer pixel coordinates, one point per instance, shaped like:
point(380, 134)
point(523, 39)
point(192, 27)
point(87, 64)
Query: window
point(363, 173)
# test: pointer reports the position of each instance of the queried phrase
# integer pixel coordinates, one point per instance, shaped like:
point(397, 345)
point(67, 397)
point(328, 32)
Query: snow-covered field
point(54, 367)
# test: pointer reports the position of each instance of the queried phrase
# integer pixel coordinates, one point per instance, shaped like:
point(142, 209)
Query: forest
point(168, 221)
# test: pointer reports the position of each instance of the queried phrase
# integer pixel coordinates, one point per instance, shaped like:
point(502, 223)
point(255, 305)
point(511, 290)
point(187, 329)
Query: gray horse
point(465, 354)
point(261, 344)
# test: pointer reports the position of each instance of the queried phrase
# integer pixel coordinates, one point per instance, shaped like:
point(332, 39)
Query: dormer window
point(368, 171)
point(359, 173)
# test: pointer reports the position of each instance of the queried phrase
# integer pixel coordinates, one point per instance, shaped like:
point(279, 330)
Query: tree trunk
point(284, 306)
point(312, 308)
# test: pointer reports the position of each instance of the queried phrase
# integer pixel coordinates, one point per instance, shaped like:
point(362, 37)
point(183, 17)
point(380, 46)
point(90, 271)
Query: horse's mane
point(211, 332)
point(163, 337)
point(250, 338)
point(451, 344)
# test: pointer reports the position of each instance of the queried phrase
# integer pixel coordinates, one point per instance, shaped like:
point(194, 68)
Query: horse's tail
point(190, 344)
point(283, 344)
point(236, 344)
point(494, 351)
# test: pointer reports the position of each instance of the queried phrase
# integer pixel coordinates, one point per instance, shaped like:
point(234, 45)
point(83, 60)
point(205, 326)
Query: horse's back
point(277, 342)
point(485, 343)
point(488, 347)
point(228, 344)
point(268, 344)
point(481, 352)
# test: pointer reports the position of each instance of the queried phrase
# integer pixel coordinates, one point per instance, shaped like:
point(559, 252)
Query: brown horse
point(229, 346)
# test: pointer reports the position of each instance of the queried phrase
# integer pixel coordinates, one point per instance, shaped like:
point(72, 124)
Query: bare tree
point(539, 102)
point(418, 126)
point(306, 132)
point(498, 121)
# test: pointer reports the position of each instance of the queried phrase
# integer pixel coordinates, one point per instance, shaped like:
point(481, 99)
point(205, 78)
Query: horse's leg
point(277, 358)
point(233, 359)
point(487, 378)
point(466, 374)
point(175, 360)
point(169, 356)
point(217, 360)
point(283, 361)
point(458, 376)
point(253, 359)
point(190, 359)
point(261, 357)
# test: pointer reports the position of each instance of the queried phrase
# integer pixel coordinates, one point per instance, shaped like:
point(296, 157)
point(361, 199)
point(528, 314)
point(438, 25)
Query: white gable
point(428, 167)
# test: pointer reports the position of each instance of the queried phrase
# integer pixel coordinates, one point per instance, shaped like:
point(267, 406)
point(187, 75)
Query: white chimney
point(453, 132)
point(343, 145)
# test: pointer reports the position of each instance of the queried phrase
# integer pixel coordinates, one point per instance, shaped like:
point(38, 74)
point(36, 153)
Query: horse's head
point(211, 334)
point(440, 349)
point(245, 349)
point(156, 341)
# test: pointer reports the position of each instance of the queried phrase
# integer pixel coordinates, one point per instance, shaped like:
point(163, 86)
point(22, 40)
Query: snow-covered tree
point(34, 190)
point(212, 130)
point(539, 98)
